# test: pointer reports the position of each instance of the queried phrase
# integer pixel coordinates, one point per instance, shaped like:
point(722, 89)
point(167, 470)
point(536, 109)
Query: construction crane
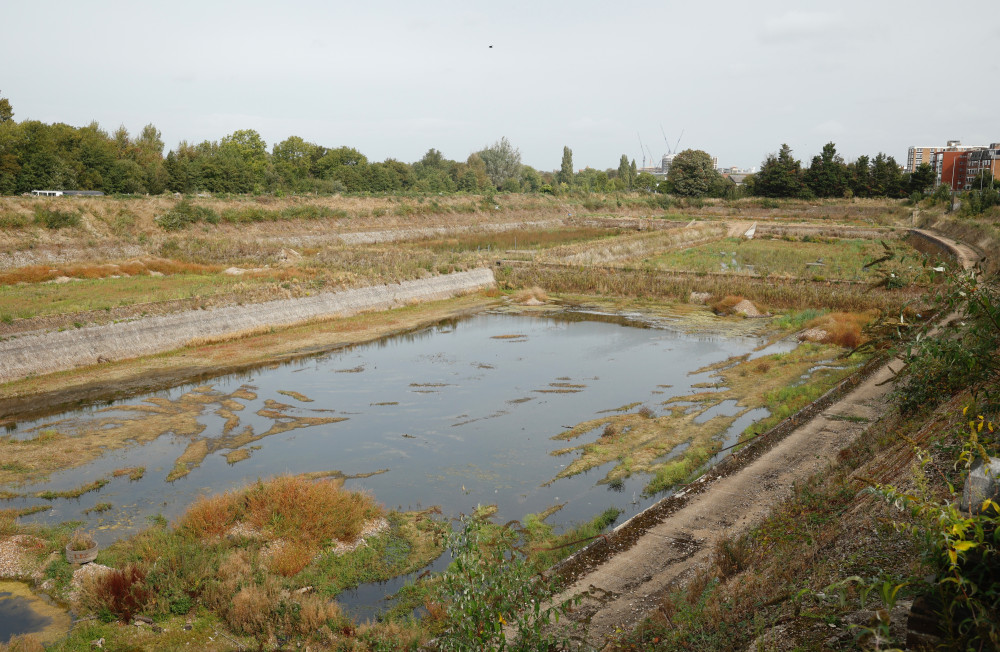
point(667, 142)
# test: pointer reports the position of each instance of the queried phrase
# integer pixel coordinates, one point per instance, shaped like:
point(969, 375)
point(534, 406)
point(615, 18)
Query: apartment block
point(925, 154)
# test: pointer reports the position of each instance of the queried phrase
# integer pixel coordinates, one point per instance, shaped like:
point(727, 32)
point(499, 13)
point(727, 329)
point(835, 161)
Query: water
point(460, 414)
point(22, 612)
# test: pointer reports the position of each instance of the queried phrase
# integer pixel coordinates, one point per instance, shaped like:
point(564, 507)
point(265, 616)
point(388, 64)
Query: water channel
point(456, 415)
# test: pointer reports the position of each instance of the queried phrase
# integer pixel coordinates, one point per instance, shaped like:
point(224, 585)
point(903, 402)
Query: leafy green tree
point(646, 182)
point(827, 176)
point(243, 158)
point(625, 173)
point(502, 161)
point(593, 180)
point(292, 159)
point(531, 180)
point(922, 179)
point(433, 173)
point(479, 175)
point(566, 167)
point(6, 112)
point(126, 177)
point(692, 174)
point(780, 175)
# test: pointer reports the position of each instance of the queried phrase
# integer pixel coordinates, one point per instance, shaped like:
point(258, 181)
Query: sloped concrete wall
point(40, 353)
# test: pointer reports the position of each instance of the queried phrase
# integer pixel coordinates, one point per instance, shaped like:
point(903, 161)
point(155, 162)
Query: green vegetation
point(808, 257)
point(54, 219)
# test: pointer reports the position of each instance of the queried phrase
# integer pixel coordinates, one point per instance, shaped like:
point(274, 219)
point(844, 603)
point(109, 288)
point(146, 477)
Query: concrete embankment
point(40, 353)
point(624, 576)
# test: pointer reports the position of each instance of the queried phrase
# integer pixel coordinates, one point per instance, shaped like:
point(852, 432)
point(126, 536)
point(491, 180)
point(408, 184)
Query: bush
point(961, 548)
point(488, 585)
point(185, 213)
point(122, 593)
point(55, 219)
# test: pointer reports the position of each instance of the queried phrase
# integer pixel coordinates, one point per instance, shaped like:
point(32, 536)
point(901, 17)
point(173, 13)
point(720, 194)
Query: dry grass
point(134, 473)
point(530, 295)
point(22, 643)
point(310, 512)
point(775, 293)
point(146, 267)
point(844, 329)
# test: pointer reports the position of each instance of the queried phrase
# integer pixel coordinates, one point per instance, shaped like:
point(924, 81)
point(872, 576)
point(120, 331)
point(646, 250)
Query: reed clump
point(844, 329)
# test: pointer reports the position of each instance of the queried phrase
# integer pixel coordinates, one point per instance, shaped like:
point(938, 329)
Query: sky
point(396, 78)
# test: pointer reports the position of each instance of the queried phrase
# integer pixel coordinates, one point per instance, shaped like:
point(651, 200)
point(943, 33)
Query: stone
point(699, 297)
point(983, 482)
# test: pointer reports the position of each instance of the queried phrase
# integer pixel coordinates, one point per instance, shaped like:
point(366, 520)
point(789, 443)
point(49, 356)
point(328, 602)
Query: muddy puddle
point(457, 415)
point(23, 612)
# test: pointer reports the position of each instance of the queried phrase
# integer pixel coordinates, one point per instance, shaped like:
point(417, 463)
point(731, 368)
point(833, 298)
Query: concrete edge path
point(46, 352)
point(619, 593)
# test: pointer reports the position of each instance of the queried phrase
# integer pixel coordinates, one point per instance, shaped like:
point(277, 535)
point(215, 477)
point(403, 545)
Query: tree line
point(35, 155)
point(782, 175)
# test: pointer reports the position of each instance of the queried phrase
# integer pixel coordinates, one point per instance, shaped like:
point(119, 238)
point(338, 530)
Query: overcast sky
point(395, 78)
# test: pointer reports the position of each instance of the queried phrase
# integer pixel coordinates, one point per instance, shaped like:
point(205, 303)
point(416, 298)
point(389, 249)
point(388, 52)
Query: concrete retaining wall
point(40, 353)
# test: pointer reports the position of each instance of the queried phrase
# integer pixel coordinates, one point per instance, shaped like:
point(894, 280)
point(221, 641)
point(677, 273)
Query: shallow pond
point(23, 612)
point(459, 414)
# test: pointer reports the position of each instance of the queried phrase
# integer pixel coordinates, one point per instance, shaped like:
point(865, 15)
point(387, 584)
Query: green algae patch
point(673, 447)
point(96, 485)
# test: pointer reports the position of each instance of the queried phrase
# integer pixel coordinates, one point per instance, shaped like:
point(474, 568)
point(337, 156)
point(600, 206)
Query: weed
point(121, 592)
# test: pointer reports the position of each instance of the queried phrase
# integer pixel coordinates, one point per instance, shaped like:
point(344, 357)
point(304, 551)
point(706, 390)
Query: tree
point(566, 167)
point(827, 176)
point(886, 177)
point(531, 180)
point(292, 159)
point(922, 179)
point(860, 177)
point(6, 112)
point(692, 174)
point(625, 172)
point(645, 181)
point(780, 175)
point(502, 161)
point(593, 180)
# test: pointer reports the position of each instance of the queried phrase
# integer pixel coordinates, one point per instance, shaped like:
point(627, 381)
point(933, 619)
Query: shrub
point(961, 548)
point(122, 593)
point(488, 585)
point(185, 213)
point(55, 219)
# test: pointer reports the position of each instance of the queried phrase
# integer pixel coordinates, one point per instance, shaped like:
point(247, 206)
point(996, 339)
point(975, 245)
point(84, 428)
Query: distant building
point(950, 168)
point(67, 193)
point(983, 160)
point(917, 155)
point(958, 169)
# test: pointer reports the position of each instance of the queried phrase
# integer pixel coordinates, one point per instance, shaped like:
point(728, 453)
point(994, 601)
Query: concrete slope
point(41, 353)
point(621, 580)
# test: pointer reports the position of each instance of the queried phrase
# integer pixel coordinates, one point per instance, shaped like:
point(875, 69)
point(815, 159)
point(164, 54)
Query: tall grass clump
point(844, 329)
point(312, 212)
point(12, 220)
point(185, 213)
point(311, 512)
point(54, 219)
